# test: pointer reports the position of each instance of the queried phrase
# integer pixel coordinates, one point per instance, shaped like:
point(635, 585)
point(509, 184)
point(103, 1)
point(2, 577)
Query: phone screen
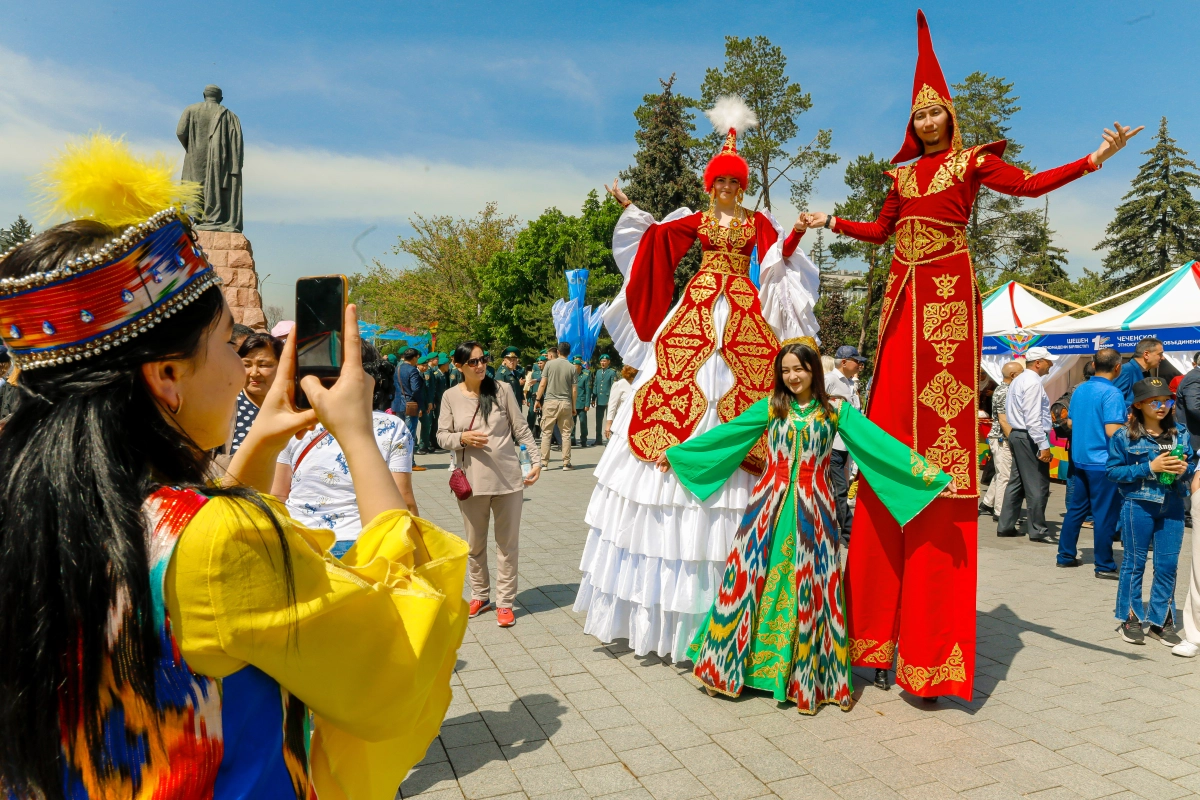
point(320, 311)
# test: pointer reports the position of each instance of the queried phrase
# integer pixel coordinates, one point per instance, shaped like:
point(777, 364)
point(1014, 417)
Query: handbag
point(458, 478)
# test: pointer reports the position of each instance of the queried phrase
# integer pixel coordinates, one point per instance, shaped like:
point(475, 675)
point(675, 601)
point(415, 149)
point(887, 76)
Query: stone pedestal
point(231, 256)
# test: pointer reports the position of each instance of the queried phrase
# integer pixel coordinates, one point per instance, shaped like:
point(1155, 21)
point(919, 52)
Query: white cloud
point(42, 105)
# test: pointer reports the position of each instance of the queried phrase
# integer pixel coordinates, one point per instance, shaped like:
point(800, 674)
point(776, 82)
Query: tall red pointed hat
point(929, 89)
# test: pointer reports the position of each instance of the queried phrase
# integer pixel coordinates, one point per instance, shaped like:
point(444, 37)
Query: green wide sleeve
point(903, 480)
point(703, 463)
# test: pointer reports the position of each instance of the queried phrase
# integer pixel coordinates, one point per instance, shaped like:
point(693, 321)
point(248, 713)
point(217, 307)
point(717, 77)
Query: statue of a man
point(211, 136)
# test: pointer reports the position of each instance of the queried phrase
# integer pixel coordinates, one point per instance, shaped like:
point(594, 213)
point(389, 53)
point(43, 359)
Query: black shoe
point(1107, 574)
point(1165, 635)
point(881, 680)
point(422, 452)
point(929, 699)
point(1009, 533)
point(1131, 631)
point(985, 510)
point(1047, 539)
point(1074, 563)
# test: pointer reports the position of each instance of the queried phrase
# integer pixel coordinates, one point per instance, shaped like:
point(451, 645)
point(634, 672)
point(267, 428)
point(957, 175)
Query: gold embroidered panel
point(860, 650)
point(946, 395)
point(920, 240)
point(944, 321)
point(917, 678)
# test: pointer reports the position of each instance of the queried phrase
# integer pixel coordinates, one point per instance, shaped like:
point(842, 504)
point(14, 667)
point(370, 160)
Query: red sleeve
point(876, 232)
point(1000, 176)
point(767, 236)
point(652, 277)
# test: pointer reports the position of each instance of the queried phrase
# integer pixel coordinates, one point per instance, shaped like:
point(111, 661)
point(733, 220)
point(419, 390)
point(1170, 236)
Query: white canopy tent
point(1169, 311)
point(1006, 312)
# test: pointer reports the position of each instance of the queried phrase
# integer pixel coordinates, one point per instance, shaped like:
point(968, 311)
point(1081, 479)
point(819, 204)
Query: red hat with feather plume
point(733, 115)
point(929, 89)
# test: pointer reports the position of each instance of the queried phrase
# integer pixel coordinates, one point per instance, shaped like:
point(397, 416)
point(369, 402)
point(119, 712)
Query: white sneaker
point(1186, 649)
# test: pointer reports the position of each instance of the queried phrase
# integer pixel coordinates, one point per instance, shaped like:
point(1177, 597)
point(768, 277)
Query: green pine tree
point(13, 235)
point(869, 186)
point(666, 173)
point(1158, 224)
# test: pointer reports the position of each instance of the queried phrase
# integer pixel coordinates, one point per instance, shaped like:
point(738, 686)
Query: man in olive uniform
point(535, 380)
point(435, 387)
point(512, 373)
point(602, 383)
point(583, 399)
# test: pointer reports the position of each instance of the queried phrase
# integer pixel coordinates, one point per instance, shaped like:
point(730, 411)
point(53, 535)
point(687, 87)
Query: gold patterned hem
point(881, 655)
point(833, 701)
point(953, 669)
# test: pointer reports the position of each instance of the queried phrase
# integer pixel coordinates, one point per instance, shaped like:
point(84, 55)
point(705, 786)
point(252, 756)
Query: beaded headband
point(104, 298)
point(101, 300)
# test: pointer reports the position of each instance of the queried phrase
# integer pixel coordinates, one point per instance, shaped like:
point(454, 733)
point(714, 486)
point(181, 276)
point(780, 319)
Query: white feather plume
point(731, 111)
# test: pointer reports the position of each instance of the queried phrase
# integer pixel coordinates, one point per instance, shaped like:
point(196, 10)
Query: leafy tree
point(838, 323)
point(755, 71)
point(1036, 261)
point(1002, 235)
point(869, 185)
point(665, 174)
point(522, 283)
point(14, 234)
point(1158, 224)
point(819, 254)
point(444, 285)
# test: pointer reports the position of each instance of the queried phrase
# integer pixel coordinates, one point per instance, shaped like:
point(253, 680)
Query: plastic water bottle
point(526, 464)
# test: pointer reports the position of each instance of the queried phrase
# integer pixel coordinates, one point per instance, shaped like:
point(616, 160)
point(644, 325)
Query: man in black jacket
point(1187, 402)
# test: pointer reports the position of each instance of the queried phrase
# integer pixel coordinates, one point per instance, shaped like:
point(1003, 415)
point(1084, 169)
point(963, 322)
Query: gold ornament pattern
point(928, 96)
point(916, 240)
point(917, 678)
point(921, 468)
point(942, 321)
point(945, 351)
point(946, 395)
point(860, 651)
point(953, 460)
point(945, 285)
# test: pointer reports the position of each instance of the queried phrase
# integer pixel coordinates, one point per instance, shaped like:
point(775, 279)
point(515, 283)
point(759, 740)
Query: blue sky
point(361, 114)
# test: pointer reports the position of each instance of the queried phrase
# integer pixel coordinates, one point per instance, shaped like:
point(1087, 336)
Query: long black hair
point(78, 458)
point(781, 396)
point(1137, 421)
point(487, 389)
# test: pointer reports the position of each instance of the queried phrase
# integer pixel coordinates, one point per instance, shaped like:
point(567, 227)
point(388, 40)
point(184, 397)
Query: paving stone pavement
point(1063, 708)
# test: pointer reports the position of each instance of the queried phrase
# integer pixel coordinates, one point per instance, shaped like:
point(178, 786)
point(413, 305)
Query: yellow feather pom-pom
point(100, 178)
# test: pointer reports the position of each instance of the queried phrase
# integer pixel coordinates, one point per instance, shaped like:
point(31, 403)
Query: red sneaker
point(479, 606)
point(504, 617)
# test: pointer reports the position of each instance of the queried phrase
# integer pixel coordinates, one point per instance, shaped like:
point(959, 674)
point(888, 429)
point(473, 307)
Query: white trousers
point(1002, 454)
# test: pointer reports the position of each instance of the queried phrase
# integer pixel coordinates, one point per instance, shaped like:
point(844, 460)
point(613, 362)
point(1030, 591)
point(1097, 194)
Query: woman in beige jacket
point(482, 425)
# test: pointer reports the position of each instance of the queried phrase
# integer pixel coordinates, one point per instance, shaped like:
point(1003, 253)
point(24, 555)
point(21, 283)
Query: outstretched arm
point(876, 232)
point(996, 174)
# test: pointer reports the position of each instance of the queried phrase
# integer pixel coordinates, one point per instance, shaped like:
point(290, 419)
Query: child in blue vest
point(1152, 463)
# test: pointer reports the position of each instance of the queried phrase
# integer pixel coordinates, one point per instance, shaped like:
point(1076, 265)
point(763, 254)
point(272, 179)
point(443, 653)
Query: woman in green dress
point(778, 623)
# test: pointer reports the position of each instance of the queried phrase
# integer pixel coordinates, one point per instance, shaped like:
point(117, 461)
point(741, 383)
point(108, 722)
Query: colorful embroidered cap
point(150, 269)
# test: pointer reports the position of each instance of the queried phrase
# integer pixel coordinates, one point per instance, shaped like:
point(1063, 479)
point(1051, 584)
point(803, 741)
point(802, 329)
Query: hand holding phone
point(320, 331)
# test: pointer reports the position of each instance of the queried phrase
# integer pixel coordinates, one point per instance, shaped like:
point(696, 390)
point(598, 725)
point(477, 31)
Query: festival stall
point(1006, 314)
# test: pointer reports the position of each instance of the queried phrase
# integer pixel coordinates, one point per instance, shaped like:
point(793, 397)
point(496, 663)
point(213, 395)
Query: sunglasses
point(475, 362)
point(1157, 404)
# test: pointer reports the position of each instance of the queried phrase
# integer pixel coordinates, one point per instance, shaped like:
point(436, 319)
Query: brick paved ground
point(1063, 707)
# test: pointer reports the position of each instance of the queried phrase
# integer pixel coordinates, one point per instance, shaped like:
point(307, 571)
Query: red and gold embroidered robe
point(915, 588)
point(668, 407)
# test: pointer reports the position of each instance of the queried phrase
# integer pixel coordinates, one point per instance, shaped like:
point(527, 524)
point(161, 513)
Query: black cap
point(848, 351)
point(1147, 388)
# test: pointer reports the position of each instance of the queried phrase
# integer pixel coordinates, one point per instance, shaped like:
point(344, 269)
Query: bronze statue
point(211, 136)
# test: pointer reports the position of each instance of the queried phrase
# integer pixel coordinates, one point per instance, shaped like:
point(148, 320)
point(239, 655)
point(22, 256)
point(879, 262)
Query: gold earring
point(175, 411)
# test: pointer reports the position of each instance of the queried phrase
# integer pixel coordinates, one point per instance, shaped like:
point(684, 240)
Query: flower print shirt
point(243, 419)
point(322, 492)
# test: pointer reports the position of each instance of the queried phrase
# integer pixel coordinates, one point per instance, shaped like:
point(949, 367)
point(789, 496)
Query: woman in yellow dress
point(165, 637)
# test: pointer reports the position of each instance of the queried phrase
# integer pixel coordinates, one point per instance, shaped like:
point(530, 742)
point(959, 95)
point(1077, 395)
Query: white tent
point(1169, 311)
point(1006, 313)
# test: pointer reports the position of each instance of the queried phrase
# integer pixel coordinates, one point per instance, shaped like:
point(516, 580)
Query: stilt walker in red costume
point(911, 589)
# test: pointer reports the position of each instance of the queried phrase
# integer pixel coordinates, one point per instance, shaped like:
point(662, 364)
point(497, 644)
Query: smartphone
point(320, 338)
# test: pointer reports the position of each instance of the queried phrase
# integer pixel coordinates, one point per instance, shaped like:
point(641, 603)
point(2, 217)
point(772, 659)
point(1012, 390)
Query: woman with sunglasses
point(1152, 462)
point(481, 423)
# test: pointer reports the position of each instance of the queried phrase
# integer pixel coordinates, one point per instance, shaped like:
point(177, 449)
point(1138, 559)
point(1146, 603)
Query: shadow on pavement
point(472, 741)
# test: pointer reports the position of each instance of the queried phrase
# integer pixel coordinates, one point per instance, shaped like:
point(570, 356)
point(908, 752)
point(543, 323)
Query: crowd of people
point(1131, 439)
